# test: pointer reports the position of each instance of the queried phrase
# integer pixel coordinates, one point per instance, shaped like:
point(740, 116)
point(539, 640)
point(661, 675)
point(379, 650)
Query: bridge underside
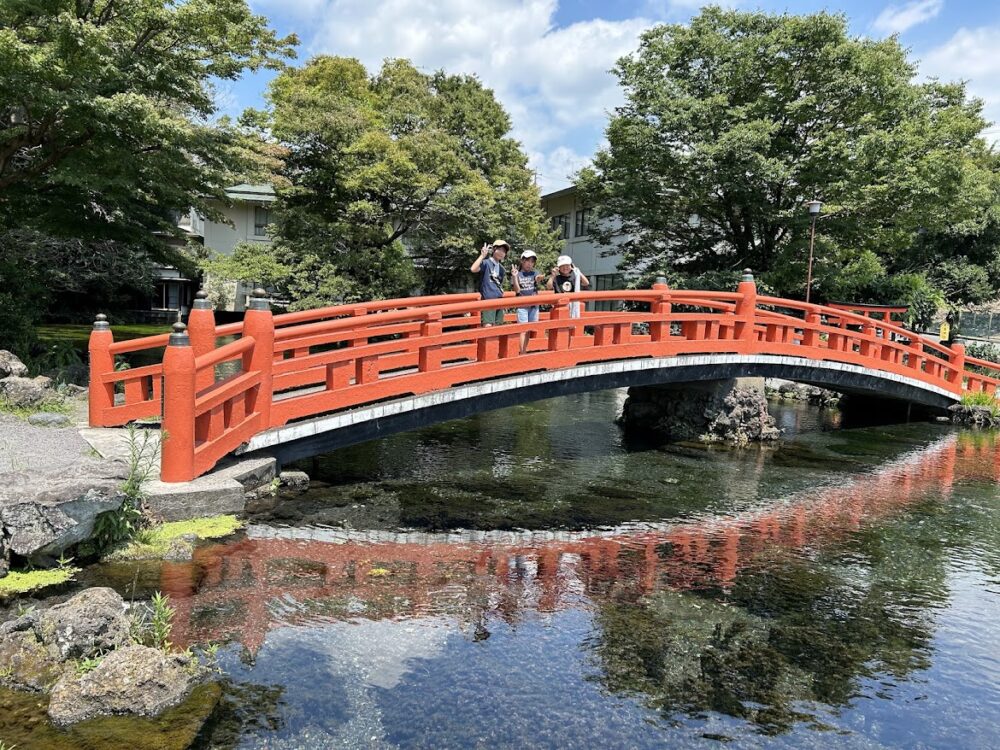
point(326, 433)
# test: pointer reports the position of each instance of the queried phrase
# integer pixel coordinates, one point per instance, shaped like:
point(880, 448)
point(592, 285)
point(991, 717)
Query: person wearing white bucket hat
point(566, 278)
point(525, 281)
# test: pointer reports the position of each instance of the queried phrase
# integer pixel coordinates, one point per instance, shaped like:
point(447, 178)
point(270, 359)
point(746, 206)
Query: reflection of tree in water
point(790, 630)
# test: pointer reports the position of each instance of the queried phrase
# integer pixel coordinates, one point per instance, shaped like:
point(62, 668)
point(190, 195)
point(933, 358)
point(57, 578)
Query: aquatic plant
point(23, 582)
point(162, 621)
point(154, 542)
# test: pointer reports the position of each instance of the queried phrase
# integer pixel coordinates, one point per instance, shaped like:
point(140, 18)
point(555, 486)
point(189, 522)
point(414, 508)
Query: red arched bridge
point(311, 381)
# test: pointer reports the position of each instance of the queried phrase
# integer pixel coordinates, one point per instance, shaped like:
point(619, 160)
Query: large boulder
point(22, 392)
point(730, 411)
point(41, 516)
point(11, 365)
point(91, 623)
point(25, 662)
point(135, 680)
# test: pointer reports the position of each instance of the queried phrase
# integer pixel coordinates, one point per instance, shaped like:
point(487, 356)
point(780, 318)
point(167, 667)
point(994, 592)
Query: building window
point(582, 222)
point(607, 282)
point(261, 218)
point(561, 224)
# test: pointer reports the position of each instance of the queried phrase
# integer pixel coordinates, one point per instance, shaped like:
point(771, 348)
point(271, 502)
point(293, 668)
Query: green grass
point(981, 398)
point(57, 405)
point(18, 582)
point(154, 542)
point(78, 334)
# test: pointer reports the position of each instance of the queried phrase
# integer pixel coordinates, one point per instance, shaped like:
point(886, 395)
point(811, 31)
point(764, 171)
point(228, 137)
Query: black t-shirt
point(564, 284)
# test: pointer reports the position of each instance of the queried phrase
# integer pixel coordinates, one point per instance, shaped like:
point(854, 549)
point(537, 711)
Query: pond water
point(528, 578)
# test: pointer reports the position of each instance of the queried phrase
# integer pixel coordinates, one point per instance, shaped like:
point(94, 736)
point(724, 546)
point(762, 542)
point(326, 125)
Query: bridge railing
point(298, 365)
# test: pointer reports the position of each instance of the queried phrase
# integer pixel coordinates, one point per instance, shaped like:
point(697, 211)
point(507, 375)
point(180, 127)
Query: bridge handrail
point(386, 349)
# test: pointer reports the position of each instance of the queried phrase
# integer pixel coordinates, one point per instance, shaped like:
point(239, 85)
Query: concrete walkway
point(44, 450)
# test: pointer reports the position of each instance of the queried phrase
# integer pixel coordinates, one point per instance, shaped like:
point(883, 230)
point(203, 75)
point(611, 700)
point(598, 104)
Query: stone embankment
point(732, 411)
point(786, 390)
point(975, 416)
point(87, 655)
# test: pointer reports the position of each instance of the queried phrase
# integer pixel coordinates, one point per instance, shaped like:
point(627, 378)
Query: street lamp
point(815, 207)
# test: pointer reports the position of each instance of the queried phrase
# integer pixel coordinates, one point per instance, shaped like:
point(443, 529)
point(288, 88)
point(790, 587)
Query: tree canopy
point(731, 124)
point(105, 110)
point(395, 179)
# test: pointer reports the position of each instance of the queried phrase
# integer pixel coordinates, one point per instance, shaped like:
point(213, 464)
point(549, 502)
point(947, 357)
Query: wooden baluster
point(957, 376)
point(659, 329)
point(177, 450)
point(102, 362)
point(429, 358)
point(559, 337)
point(259, 323)
point(201, 329)
point(746, 313)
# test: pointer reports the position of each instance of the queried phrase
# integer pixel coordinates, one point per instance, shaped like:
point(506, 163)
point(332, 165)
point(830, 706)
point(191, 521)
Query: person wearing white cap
point(566, 278)
point(525, 282)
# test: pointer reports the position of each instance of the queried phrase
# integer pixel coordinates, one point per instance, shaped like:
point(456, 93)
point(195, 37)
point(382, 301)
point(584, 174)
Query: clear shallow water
point(527, 579)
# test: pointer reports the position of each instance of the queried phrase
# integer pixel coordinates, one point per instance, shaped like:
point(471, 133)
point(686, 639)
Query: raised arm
point(514, 284)
point(477, 266)
point(551, 283)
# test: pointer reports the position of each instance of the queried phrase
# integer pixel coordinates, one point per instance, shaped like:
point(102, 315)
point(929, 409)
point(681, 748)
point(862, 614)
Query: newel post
point(102, 362)
point(746, 312)
point(201, 329)
point(259, 323)
point(659, 330)
point(177, 435)
point(429, 357)
point(559, 337)
point(958, 362)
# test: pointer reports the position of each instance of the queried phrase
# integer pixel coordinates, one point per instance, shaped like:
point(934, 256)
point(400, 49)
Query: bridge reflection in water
point(276, 577)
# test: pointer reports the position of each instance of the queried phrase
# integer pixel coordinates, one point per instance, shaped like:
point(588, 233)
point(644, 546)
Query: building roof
point(245, 192)
point(560, 193)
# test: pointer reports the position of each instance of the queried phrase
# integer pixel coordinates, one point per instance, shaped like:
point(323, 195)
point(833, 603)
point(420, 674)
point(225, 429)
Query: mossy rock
point(176, 539)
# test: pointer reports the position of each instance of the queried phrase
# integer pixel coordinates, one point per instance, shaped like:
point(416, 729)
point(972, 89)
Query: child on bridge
point(489, 265)
point(525, 281)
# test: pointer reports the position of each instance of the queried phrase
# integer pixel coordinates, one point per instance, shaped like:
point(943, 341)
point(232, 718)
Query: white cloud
point(555, 169)
point(896, 19)
point(554, 81)
point(970, 55)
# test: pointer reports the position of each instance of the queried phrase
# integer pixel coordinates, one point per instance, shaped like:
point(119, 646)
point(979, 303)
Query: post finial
point(747, 275)
point(201, 300)
point(101, 322)
point(179, 335)
point(661, 280)
point(258, 300)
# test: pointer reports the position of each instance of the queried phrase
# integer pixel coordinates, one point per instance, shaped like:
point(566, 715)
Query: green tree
point(396, 180)
point(105, 130)
point(106, 107)
point(733, 123)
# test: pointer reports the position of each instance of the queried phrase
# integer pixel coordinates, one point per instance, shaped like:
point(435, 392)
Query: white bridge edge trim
point(339, 420)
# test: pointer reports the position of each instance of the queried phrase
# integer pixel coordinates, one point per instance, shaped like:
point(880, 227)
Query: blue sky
point(548, 61)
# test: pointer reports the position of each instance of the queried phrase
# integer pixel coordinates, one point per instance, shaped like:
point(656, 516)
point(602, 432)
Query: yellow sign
point(945, 332)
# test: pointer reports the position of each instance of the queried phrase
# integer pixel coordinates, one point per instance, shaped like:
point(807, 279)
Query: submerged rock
point(135, 680)
point(91, 623)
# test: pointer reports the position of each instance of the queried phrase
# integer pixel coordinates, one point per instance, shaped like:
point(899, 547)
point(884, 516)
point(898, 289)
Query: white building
point(249, 211)
point(600, 263)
